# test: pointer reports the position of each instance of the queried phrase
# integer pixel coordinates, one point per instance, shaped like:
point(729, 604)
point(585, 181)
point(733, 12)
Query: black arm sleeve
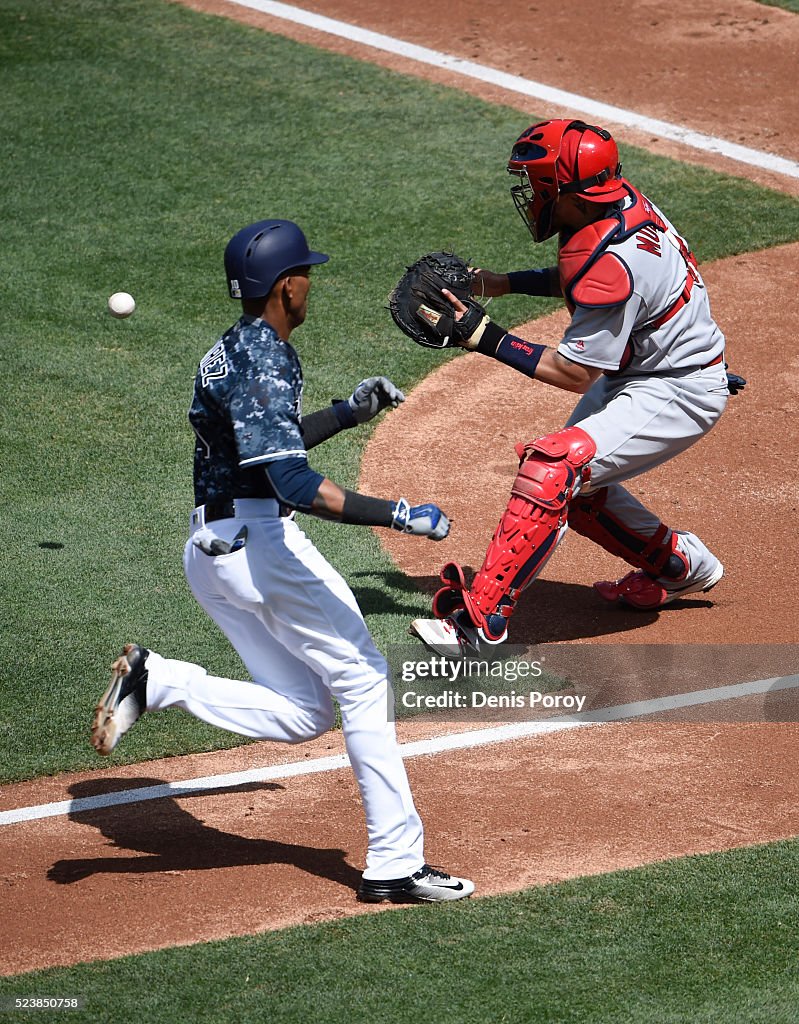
point(318, 426)
point(294, 482)
point(535, 282)
point(361, 510)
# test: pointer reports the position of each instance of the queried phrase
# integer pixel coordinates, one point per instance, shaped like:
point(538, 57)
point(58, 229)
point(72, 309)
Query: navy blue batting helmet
point(257, 255)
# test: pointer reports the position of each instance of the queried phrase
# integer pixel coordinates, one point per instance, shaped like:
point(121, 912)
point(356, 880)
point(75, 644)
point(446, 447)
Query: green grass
point(786, 5)
point(703, 940)
point(137, 137)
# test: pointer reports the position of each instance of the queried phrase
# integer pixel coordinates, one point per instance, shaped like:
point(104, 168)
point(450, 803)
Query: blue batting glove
point(421, 520)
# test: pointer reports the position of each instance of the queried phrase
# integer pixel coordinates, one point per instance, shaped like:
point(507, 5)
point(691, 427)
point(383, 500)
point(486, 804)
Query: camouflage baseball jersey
point(245, 412)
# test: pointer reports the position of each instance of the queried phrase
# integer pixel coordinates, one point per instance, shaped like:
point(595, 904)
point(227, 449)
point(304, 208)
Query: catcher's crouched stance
point(643, 351)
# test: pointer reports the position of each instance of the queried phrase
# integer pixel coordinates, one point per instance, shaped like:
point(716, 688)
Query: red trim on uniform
point(682, 299)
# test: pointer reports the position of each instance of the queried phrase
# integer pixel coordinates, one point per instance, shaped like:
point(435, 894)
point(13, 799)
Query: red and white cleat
point(640, 590)
point(446, 637)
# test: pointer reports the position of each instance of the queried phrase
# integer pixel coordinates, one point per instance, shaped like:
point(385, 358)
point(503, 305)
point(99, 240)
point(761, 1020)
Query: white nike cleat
point(427, 885)
point(701, 585)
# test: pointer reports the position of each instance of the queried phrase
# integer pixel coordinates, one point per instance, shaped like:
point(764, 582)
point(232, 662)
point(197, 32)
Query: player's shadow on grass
point(375, 600)
point(175, 841)
point(551, 611)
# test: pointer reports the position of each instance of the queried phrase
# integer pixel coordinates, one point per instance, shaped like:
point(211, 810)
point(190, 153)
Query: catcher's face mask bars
point(523, 197)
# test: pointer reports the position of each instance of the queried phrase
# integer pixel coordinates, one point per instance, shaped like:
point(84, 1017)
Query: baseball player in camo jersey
point(288, 613)
point(645, 354)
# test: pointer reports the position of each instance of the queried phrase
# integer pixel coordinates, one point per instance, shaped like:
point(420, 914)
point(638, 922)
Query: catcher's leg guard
point(658, 555)
point(551, 471)
point(452, 597)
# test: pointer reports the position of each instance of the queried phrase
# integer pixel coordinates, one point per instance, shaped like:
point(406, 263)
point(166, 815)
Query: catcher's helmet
point(257, 255)
point(562, 156)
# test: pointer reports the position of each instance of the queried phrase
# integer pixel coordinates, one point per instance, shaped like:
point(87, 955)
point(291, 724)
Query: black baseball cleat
point(426, 886)
point(125, 700)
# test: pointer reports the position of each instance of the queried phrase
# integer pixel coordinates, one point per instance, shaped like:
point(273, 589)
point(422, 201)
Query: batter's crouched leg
point(551, 471)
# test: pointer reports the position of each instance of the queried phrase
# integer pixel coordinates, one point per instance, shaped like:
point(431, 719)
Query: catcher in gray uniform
point(643, 351)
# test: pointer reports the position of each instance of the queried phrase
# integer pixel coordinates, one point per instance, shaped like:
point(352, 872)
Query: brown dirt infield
point(108, 882)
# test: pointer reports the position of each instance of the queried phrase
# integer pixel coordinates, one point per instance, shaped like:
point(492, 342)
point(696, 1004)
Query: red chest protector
point(591, 274)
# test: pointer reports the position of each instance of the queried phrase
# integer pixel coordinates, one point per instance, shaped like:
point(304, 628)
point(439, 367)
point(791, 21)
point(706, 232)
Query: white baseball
point(121, 304)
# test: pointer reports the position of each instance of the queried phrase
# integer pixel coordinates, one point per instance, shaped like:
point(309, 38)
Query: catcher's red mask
point(562, 156)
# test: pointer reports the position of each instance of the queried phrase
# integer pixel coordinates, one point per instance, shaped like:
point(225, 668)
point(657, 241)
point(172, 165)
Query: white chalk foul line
point(527, 87)
point(453, 741)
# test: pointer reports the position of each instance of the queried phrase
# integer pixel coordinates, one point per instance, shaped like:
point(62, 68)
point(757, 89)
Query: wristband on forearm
point(361, 510)
point(344, 414)
point(523, 356)
point(531, 282)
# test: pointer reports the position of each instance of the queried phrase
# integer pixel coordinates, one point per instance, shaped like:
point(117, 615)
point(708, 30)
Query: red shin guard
point(551, 469)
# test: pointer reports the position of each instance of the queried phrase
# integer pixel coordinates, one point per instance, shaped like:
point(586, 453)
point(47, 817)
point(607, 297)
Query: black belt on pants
point(219, 510)
point(227, 510)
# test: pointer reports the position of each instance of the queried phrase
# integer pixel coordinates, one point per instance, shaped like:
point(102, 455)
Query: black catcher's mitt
point(422, 312)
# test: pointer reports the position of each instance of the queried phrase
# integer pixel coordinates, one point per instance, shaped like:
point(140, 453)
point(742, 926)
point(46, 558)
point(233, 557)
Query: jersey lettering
point(648, 239)
point(213, 365)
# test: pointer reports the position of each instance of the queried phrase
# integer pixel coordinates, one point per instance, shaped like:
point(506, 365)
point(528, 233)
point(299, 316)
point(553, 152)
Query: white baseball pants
point(299, 631)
